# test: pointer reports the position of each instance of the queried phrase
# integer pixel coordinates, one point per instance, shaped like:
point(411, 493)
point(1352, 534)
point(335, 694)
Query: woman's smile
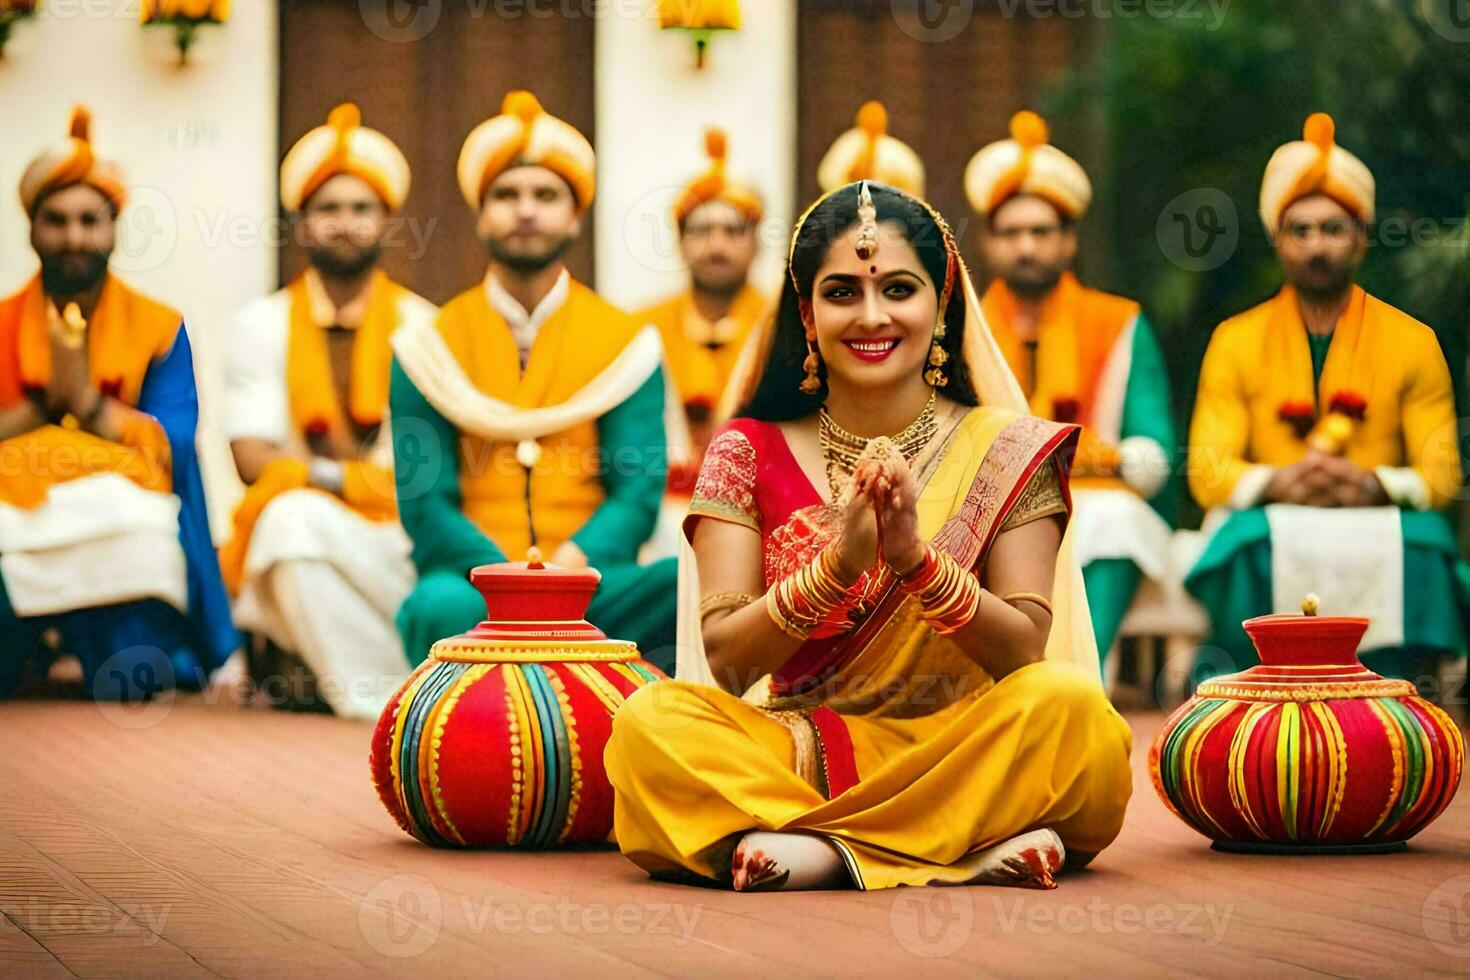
point(875, 350)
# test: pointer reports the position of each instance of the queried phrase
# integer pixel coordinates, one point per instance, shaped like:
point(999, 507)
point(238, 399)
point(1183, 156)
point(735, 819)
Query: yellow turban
point(1315, 164)
point(524, 134)
point(714, 185)
point(344, 146)
point(867, 152)
point(71, 161)
point(1027, 164)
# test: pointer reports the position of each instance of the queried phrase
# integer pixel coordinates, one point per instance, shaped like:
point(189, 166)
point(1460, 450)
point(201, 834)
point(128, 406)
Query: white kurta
point(320, 580)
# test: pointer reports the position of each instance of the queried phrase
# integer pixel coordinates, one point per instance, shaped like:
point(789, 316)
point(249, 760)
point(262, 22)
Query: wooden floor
point(199, 839)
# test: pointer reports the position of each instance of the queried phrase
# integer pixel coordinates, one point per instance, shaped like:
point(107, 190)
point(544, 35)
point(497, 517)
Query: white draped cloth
point(96, 541)
point(326, 583)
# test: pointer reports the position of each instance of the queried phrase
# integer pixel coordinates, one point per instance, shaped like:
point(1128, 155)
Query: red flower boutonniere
point(1299, 415)
point(1065, 409)
point(1349, 403)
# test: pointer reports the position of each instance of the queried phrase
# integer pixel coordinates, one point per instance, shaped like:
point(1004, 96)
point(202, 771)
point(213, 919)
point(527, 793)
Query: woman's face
point(873, 319)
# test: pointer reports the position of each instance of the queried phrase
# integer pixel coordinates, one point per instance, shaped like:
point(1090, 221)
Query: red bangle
point(949, 596)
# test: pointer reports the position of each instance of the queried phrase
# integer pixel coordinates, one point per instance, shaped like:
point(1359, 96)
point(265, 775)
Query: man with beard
point(105, 550)
point(1081, 355)
point(531, 414)
point(705, 327)
point(1324, 436)
point(318, 561)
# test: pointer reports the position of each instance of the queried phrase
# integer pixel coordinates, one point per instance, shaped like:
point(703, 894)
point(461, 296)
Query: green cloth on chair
point(1233, 580)
point(1110, 584)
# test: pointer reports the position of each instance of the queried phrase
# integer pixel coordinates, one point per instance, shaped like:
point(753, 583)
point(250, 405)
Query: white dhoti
point(1119, 524)
point(325, 583)
point(96, 541)
point(1352, 557)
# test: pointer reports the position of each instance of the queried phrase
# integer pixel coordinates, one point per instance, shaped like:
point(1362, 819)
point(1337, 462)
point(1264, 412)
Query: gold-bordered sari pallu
point(891, 663)
point(890, 741)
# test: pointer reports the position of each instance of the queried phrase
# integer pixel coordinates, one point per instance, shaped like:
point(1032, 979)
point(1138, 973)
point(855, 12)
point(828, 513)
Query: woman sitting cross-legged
point(886, 672)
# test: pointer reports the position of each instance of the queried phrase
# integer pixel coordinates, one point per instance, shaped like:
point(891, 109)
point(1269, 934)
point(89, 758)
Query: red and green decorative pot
point(496, 740)
point(1308, 751)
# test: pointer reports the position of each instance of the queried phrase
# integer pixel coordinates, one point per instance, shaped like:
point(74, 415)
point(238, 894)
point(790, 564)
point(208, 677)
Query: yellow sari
point(890, 742)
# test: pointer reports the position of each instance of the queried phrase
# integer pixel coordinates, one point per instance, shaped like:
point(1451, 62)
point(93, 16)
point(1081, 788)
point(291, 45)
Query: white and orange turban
point(715, 185)
point(1315, 164)
point(867, 152)
point(71, 161)
point(524, 134)
point(1027, 164)
point(344, 146)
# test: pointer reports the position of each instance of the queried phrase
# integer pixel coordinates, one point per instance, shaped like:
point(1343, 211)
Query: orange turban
point(344, 146)
point(524, 134)
point(714, 185)
point(71, 161)
point(1315, 164)
point(1026, 163)
point(867, 152)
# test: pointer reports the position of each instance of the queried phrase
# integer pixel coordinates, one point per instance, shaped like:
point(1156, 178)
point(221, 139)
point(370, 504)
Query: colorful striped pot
point(496, 740)
point(1309, 751)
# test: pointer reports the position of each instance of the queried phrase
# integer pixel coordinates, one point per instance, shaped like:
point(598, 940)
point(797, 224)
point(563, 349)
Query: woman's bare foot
point(766, 861)
point(1029, 860)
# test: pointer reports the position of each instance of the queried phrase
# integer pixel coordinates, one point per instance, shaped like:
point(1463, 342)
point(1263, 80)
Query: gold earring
point(811, 384)
point(938, 357)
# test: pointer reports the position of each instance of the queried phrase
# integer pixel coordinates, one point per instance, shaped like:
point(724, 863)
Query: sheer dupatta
point(1071, 638)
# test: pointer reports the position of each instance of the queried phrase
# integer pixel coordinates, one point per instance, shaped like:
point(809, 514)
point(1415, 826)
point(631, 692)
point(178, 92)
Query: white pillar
point(653, 106)
point(197, 145)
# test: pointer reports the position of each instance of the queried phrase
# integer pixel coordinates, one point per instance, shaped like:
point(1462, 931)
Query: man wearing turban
point(1081, 355)
point(867, 152)
point(1324, 436)
point(318, 561)
point(705, 327)
point(105, 549)
point(531, 413)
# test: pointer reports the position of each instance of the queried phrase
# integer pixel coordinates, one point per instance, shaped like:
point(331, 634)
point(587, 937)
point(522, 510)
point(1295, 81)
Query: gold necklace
point(841, 449)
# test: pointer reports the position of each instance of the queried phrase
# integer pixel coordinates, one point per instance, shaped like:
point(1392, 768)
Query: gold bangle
point(773, 609)
point(1033, 597)
point(718, 601)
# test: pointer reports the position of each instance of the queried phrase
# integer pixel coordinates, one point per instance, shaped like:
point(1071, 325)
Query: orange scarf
point(126, 334)
point(1352, 357)
point(1075, 335)
point(368, 489)
point(699, 373)
point(313, 398)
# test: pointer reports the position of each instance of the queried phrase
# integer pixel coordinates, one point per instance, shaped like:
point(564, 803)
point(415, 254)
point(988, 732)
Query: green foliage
point(1186, 103)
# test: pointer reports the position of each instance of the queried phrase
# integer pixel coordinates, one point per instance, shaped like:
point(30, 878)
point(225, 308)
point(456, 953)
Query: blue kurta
point(135, 649)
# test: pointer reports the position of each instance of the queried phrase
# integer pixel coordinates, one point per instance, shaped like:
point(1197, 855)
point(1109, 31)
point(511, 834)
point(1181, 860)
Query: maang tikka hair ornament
point(866, 247)
point(867, 212)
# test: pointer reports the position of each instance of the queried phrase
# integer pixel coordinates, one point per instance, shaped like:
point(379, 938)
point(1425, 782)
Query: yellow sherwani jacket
point(1260, 361)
